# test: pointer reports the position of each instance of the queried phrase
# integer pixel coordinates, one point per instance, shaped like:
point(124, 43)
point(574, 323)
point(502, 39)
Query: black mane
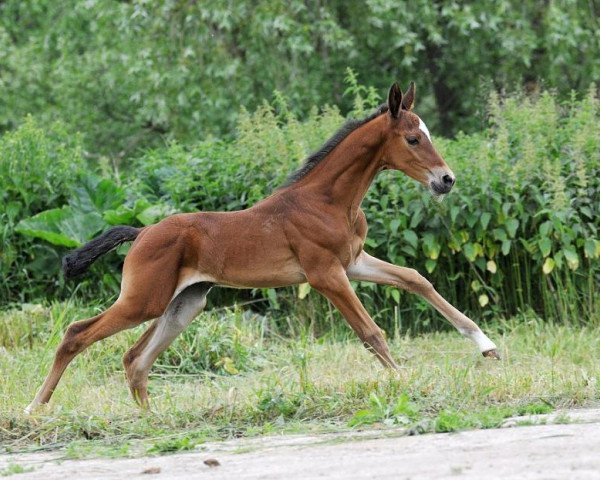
point(315, 158)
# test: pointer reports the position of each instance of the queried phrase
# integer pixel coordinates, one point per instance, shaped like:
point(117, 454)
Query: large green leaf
point(95, 195)
point(511, 226)
point(65, 226)
point(411, 237)
point(485, 219)
point(154, 214)
point(431, 247)
point(592, 248)
point(545, 246)
point(470, 251)
point(571, 257)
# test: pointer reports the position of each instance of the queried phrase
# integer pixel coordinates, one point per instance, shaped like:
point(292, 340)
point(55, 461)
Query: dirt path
point(551, 451)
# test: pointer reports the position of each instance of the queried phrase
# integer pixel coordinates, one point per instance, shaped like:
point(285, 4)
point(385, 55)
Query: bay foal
point(311, 230)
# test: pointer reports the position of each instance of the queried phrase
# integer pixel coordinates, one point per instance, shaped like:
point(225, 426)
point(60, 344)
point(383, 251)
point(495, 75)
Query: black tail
point(78, 261)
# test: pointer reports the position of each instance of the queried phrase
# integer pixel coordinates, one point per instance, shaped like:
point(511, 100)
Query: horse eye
point(412, 140)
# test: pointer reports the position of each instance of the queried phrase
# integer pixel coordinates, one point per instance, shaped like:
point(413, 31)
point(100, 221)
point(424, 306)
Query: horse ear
point(409, 97)
point(394, 100)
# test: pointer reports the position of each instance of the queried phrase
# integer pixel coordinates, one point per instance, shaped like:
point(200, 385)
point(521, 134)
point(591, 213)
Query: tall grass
point(231, 375)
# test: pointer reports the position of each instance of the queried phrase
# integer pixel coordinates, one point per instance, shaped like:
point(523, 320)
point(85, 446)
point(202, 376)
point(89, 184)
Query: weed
point(401, 412)
point(187, 442)
point(14, 469)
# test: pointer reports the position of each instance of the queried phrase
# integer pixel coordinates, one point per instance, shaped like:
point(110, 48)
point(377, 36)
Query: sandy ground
point(546, 451)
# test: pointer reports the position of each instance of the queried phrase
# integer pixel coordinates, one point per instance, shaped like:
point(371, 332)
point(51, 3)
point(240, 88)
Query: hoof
point(31, 408)
point(493, 353)
point(141, 398)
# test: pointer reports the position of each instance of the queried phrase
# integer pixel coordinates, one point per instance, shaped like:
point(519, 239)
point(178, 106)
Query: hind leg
point(150, 275)
point(81, 335)
point(179, 314)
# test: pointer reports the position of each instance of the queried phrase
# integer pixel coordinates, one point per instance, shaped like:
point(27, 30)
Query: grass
point(14, 469)
point(254, 381)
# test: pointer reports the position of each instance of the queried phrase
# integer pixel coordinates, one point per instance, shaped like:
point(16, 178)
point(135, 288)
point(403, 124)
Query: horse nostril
point(448, 180)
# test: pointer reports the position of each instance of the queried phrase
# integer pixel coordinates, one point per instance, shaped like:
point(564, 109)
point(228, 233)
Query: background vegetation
point(127, 74)
point(124, 112)
point(519, 232)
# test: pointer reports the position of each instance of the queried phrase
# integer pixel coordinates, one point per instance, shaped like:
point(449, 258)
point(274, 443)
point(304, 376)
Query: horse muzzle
point(442, 183)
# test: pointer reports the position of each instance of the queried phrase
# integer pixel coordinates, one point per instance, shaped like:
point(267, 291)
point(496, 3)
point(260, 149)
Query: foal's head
point(408, 144)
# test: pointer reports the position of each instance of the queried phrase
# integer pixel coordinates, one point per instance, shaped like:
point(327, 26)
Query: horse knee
point(374, 340)
point(70, 347)
point(417, 283)
point(74, 341)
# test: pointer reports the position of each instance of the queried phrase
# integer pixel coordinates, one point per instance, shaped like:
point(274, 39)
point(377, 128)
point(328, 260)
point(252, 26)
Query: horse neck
point(344, 176)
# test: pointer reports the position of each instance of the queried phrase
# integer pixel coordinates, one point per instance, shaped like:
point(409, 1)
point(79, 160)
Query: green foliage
point(127, 74)
point(14, 469)
point(51, 224)
point(36, 172)
point(402, 412)
point(449, 420)
point(188, 442)
point(234, 175)
point(213, 346)
point(519, 232)
point(93, 205)
point(459, 51)
point(537, 408)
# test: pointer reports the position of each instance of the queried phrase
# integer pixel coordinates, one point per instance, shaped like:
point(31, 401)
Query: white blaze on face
point(424, 129)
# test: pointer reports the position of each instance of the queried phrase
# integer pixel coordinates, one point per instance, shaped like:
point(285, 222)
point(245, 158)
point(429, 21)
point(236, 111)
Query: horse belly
point(246, 266)
point(246, 249)
point(261, 270)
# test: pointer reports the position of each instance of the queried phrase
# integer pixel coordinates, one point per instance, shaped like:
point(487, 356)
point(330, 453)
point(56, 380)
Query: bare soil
point(548, 450)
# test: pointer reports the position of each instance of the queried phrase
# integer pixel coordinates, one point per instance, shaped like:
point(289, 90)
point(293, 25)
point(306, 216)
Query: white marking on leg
point(178, 316)
point(480, 339)
point(424, 129)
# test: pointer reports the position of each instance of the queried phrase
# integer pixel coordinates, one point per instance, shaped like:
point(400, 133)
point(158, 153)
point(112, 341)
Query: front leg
point(372, 269)
point(335, 286)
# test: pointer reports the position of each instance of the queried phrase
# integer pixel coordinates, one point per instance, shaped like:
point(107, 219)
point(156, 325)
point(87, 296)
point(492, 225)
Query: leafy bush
point(37, 170)
point(520, 230)
point(402, 412)
point(233, 175)
point(127, 74)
